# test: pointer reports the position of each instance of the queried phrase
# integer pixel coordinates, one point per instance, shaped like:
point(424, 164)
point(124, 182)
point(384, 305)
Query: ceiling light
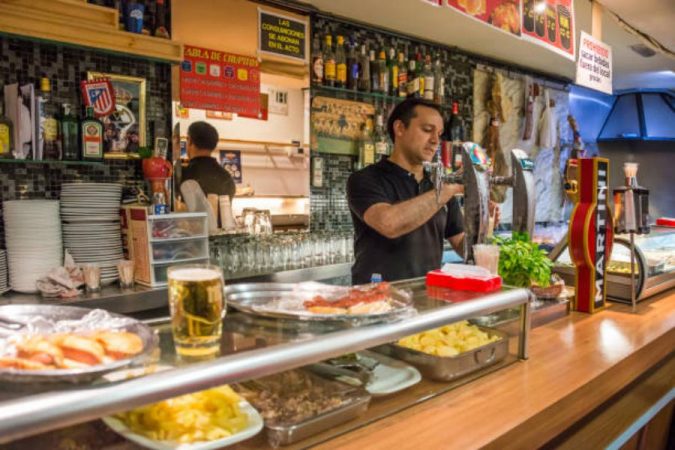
point(540, 7)
point(643, 50)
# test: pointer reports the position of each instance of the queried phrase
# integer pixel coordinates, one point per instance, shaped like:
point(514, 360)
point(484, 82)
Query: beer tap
point(476, 179)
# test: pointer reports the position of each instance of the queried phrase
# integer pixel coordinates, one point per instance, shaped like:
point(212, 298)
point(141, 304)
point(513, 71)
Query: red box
point(442, 279)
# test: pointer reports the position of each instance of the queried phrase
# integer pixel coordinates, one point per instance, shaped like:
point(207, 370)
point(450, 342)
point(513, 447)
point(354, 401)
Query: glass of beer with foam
point(197, 309)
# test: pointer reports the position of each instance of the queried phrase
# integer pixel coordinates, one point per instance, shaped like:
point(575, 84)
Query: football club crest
point(100, 95)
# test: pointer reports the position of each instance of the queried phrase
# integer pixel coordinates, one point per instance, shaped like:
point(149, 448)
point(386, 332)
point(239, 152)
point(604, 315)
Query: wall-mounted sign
point(281, 35)
point(594, 66)
point(231, 161)
point(550, 24)
point(501, 14)
point(219, 81)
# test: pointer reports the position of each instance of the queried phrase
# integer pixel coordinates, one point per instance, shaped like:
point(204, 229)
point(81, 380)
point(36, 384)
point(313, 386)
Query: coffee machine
point(477, 179)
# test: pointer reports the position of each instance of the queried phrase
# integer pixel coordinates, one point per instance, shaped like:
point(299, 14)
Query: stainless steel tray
point(447, 368)
point(258, 298)
point(22, 313)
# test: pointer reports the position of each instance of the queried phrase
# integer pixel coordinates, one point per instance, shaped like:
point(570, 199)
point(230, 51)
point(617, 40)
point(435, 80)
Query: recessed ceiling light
point(643, 50)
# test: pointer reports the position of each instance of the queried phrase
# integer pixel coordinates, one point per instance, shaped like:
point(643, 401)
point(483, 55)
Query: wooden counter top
point(576, 364)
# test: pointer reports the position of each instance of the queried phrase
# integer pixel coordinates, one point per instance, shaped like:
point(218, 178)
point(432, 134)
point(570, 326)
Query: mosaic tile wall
point(328, 205)
point(25, 61)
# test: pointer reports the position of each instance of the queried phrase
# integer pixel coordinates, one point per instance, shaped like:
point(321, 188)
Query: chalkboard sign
point(282, 36)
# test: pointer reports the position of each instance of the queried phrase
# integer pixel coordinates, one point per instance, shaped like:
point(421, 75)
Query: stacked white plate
point(4, 279)
point(33, 239)
point(91, 225)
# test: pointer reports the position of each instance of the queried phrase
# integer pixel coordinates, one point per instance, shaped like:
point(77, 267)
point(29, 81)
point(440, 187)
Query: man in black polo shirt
point(399, 224)
point(202, 140)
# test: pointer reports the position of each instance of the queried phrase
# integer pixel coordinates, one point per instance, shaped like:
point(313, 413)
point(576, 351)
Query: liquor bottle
point(49, 124)
point(317, 62)
point(353, 68)
point(364, 70)
point(456, 128)
point(329, 66)
point(366, 145)
point(148, 17)
point(393, 72)
point(439, 82)
point(69, 137)
point(419, 64)
point(383, 72)
point(413, 87)
point(6, 134)
point(91, 135)
point(340, 63)
point(161, 29)
point(402, 75)
point(428, 76)
point(374, 72)
point(382, 147)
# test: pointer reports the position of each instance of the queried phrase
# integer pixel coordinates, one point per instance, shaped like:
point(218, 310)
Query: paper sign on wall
point(282, 35)
point(551, 24)
point(594, 66)
point(501, 14)
point(231, 161)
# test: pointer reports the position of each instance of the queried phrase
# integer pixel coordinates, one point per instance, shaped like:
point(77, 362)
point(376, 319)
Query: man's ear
point(399, 127)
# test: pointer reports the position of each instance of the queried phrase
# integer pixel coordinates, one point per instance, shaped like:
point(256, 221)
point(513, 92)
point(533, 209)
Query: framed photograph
point(124, 129)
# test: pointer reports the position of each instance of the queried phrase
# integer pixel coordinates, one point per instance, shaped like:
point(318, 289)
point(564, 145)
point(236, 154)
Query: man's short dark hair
point(203, 135)
point(405, 111)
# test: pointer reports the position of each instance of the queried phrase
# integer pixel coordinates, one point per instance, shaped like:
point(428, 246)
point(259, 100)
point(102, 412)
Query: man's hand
point(448, 191)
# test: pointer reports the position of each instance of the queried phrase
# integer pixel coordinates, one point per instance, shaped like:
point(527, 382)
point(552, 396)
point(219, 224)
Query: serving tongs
point(11, 324)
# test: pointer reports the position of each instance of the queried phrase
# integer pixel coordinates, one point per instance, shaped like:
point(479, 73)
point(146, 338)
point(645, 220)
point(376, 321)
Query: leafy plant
point(521, 262)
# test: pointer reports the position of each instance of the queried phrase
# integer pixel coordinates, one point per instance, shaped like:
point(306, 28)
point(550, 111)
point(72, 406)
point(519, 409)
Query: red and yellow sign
point(550, 23)
point(591, 233)
point(502, 14)
point(220, 81)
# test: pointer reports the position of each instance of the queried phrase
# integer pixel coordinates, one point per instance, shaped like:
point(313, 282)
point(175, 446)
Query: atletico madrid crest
point(100, 95)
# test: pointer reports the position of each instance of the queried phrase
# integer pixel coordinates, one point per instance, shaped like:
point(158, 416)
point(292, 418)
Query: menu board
point(550, 24)
point(230, 160)
point(220, 81)
point(282, 35)
point(501, 14)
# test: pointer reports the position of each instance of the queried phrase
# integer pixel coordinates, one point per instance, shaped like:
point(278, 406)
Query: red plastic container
point(666, 221)
point(442, 279)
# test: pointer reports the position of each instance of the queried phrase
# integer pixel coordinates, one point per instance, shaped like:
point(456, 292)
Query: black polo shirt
point(210, 175)
point(411, 255)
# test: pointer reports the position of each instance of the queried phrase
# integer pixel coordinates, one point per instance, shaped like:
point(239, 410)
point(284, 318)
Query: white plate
point(391, 375)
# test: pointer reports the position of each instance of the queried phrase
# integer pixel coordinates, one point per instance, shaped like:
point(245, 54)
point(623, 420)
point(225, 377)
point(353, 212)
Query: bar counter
point(588, 379)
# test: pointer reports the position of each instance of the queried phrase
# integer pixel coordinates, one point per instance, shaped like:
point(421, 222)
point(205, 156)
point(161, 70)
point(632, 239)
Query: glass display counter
point(654, 264)
point(254, 347)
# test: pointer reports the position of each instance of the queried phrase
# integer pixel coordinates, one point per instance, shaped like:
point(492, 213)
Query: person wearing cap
point(400, 224)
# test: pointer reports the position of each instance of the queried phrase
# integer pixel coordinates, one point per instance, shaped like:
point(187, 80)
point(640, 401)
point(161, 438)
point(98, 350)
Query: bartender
point(202, 139)
point(400, 224)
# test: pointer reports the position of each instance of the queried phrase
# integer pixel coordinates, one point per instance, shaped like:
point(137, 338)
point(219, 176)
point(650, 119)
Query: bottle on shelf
point(456, 128)
point(353, 68)
point(439, 82)
point(161, 30)
point(402, 75)
point(317, 62)
point(364, 70)
point(382, 147)
point(383, 72)
point(413, 86)
point(374, 72)
point(429, 80)
point(6, 134)
point(69, 135)
point(329, 65)
point(366, 145)
point(340, 63)
point(91, 136)
point(393, 72)
point(49, 124)
point(419, 64)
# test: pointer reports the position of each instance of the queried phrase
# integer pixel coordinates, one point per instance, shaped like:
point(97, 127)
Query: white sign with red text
point(594, 66)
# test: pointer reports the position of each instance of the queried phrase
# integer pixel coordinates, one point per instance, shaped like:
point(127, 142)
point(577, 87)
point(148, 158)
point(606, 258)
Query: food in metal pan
point(71, 350)
point(449, 340)
point(202, 416)
point(369, 300)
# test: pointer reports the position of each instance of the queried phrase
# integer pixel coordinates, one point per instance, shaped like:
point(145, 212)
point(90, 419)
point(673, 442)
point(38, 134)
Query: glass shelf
point(50, 162)
point(362, 94)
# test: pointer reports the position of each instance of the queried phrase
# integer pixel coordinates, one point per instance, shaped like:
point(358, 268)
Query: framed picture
point(124, 129)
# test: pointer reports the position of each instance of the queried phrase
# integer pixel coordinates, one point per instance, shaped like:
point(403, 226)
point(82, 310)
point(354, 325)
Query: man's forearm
point(396, 220)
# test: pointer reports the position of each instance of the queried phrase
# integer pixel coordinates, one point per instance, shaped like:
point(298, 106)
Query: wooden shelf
point(81, 24)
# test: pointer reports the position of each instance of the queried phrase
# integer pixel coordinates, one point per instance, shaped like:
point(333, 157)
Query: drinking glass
point(92, 277)
point(487, 256)
point(197, 309)
point(125, 270)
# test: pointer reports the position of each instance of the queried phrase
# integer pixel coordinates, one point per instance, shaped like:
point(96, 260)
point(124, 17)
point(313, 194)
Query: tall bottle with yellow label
point(49, 124)
point(329, 69)
point(6, 134)
point(340, 63)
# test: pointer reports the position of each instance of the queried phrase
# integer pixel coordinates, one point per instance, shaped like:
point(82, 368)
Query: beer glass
point(197, 309)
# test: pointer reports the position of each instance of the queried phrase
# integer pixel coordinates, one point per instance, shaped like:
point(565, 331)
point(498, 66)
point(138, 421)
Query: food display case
point(654, 264)
point(296, 373)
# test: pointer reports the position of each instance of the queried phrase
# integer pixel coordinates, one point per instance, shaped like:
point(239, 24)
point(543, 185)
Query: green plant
point(521, 262)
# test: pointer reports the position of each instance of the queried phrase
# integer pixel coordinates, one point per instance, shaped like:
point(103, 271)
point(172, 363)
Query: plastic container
point(179, 250)
point(441, 279)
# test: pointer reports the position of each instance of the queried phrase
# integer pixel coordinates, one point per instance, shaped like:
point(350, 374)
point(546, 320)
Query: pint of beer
point(197, 309)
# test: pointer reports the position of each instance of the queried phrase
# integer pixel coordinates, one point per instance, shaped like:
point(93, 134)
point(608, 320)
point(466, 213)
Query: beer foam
point(194, 274)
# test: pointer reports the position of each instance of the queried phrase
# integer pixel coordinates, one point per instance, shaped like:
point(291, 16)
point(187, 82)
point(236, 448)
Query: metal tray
point(355, 403)
point(254, 298)
point(21, 313)
point(447, 368)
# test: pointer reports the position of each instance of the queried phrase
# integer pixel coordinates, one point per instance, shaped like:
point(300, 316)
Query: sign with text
point(551, 24)
point(501, 14)
point(219, 81)
point(282, 36)
point(230, 160)
point(594, 66)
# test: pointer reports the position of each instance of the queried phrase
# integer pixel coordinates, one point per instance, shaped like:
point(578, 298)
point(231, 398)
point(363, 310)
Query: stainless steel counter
point(297, 343)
